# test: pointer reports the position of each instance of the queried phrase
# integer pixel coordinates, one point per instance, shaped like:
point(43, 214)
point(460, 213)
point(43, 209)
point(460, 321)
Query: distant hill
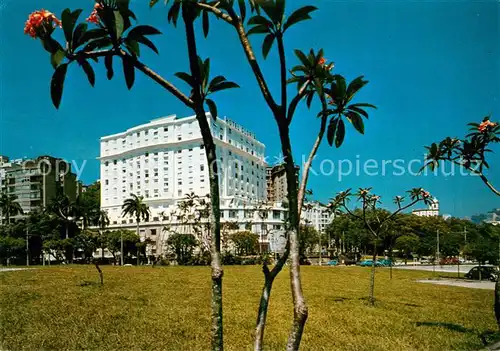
point(493, 215)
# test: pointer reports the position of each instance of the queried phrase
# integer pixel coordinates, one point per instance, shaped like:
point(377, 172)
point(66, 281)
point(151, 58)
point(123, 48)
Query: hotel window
point(165, 129)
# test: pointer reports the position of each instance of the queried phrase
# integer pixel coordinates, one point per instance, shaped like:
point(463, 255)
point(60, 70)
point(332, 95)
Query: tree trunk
point(210, 150)
point(307, 165)
point(390, 264)
point(102, 246)
point(139, 235)
point(300, 312)
point(101, 278)
point(497, 301)
point(262, 315)
point(269, 277)
point(217, 272)
point(372, 276)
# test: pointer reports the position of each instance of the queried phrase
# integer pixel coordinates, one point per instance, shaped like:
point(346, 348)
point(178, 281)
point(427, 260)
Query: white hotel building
point(164, 160)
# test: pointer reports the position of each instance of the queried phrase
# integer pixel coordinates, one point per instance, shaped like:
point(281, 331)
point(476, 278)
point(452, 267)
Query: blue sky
point(432, 67)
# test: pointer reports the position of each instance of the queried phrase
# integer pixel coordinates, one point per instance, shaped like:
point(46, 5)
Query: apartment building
point(164, 160)
point(36, 182)
point(277, 186)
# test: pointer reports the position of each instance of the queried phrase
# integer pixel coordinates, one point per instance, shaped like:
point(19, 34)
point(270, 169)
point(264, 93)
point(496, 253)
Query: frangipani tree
point(376, 224)
point(113, 36)
point(470, 153)
point(335, 97)
point(269, 18)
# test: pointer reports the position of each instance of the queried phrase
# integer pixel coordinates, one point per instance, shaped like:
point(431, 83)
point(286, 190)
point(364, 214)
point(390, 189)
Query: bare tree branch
point(314, 150)
point(217, 12)
point(281, 51)
point(144, 69)
point(482, 176)
point(252, 60)
point(295, 101)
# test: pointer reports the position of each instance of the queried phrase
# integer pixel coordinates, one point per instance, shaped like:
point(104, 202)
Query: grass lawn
point(168, 308)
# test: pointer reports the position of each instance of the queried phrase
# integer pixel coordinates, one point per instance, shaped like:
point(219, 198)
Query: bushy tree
point(408, 244)
point(182, 245)
point(246, 243)
point(484, 247)
point(11, 248)
point(308, 239)
point(115, 238)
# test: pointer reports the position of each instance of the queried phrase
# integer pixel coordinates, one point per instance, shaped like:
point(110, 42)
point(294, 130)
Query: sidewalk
point(462, 283)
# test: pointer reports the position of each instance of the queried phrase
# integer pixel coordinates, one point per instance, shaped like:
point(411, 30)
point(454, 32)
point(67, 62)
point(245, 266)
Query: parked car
point(332, 263)
point(369, 263)
point(487, 273)
point(350, 262)
point(386, 263)
point(449, 260)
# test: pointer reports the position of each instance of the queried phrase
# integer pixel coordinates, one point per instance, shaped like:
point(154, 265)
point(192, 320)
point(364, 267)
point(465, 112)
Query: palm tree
point(9, 206)
point(135, 207)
